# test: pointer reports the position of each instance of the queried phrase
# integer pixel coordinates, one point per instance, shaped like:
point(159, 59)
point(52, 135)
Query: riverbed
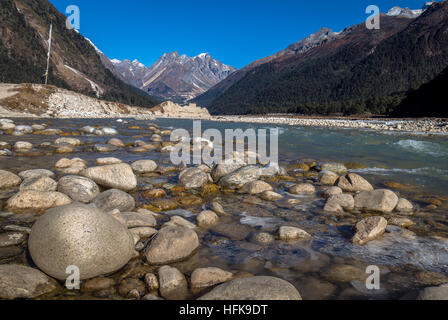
point(329, 266)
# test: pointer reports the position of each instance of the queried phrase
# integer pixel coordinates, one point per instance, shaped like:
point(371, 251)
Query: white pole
point(49, 53)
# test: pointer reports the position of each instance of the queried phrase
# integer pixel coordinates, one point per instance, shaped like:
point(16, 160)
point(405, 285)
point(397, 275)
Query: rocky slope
point(50, 101)
point(75, 64)
point(174, 77)
point(354, 71)
point(173, 110)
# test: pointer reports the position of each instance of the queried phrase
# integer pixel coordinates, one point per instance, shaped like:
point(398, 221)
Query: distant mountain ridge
point(74, 64)
point(174, 77)
point(353, 71)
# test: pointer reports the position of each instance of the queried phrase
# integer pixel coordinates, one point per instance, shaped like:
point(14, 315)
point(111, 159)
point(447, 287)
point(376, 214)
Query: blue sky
point(236, 32)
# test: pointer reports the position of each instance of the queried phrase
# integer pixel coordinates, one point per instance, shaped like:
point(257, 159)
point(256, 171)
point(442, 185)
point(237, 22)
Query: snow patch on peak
point(202, 55)
point(138, 64)
point(94, 46)
point(115, 61)
point(408, 13)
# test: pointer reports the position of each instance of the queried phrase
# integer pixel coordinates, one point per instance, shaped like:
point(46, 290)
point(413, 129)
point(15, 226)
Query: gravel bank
point(436, 126)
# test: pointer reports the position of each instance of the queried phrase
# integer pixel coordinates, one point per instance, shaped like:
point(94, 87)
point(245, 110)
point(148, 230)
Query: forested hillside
point(429, 100)
point(75, 65)
point(360, 72)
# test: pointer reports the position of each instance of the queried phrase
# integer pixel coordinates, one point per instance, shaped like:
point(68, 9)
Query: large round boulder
point(82, 236)
point(78, 188)
point(255, 288)
point(172, 244)
point(117, 176)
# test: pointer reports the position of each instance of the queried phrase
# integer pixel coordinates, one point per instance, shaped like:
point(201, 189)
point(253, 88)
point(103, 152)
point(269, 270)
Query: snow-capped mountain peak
point(173, 76)
point(202, 55)
point(408, 13)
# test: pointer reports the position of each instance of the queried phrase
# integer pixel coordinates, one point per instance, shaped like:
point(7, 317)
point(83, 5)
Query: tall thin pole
point(49, 53)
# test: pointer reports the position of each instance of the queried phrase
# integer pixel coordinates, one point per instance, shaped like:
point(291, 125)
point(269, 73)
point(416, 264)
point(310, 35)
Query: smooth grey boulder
point(439, 293)
point(8, 239)
point(271, 196)
point(256, 187)
point(23, 146)
point(138, 220)
point(42, 183)
point(23, 129)
point(335, 167)
point(193, 178)
point(379, 200)
point(172, 244)
point(354, 183)
point(117, 176)
point(78, 188)
point(240, 177)
point(114, 199)
point(177, 221)
point(107, 161)
point(221, 170)
point(207, 277)
point(79, 235)
point(332, 191)
point(292, 233)
point(173, 285)
point(369, 229)
point(255, 288)
point(328, 178)
point(144, 166)
point(302, 188)
point(70, 141)
point(8, 179)
point(36, 173)
point(404, 205)
point(344, 201)
point(207, 218)
point(21, 282)
point(36, 201)
point(104, 148)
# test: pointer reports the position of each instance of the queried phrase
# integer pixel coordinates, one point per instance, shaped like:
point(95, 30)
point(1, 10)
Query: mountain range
point(174, 77)
point(74, 64)
point(353, 71)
